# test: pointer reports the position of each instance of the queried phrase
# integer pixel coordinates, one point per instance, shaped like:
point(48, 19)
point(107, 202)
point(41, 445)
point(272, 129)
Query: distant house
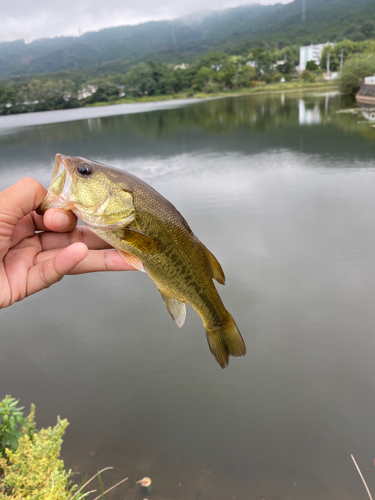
point(86, 91)
point(370, 80)
point(310, 53)
point(366, 94)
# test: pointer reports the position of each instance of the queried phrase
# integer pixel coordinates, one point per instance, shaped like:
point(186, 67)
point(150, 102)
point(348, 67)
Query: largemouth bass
point(152, 235)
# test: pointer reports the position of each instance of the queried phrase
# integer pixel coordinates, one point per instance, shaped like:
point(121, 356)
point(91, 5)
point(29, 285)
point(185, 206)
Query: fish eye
point(84, 169)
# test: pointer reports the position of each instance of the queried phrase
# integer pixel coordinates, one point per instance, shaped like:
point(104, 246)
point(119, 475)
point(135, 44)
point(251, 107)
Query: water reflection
point(288, 210)
point(246, 125)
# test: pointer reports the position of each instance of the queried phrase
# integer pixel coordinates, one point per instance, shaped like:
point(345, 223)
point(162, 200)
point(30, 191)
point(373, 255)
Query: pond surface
point(281, 188)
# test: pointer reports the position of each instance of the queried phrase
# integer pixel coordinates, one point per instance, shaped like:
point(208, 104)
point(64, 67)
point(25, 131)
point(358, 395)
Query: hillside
point(233, 31)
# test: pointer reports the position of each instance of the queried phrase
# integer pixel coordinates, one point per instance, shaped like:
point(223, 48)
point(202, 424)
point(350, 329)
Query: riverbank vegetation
point(234, 50)
point(215, 73)
point(30, 468)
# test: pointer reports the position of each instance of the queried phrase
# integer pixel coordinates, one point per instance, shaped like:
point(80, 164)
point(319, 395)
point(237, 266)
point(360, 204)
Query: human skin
point(37, 251)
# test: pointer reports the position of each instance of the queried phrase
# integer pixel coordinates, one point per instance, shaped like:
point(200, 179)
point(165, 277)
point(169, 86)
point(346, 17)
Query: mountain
point(233, 30)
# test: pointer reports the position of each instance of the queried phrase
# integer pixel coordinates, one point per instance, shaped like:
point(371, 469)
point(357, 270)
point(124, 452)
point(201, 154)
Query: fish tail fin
point(225, 340)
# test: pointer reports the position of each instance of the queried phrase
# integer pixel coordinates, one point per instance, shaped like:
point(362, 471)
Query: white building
point(370, 80)
point(86, 91)
point(310, 53)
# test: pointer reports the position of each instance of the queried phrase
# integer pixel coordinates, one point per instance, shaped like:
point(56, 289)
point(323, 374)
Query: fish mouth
point(59, 189)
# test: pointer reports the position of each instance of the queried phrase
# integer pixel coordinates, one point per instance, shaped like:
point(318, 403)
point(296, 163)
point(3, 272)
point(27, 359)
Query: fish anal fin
point(176, 308)
point(141, 241)
point(132, 260)
point(217, 271)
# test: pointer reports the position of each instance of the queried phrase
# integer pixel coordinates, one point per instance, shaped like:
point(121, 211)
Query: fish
point(149, 233)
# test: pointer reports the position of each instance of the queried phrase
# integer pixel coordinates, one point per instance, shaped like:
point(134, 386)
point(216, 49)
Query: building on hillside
point(181, 66)
point(310, 53)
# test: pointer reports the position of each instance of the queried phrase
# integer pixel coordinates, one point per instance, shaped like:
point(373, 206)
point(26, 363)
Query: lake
point(281, 188)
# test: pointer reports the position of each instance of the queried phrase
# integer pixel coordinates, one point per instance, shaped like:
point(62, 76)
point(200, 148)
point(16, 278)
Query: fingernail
point(60, 220)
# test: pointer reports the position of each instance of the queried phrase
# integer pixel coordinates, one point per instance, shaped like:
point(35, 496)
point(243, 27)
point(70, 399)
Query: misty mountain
point(233, 31)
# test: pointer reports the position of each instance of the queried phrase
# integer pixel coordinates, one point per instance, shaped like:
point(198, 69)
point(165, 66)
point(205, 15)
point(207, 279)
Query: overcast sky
point(31, 19)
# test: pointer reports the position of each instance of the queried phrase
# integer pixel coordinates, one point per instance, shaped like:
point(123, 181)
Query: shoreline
point(140, 105)
point(259, 90)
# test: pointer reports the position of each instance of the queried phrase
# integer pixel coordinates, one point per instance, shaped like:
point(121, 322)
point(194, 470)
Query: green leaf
point(13, 442)
point(12, 422)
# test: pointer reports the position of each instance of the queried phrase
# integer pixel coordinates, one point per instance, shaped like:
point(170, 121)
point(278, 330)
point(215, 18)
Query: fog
point(30, 20)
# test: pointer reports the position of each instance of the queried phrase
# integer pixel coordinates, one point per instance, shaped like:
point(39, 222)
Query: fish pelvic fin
point(132, 260)
point(225, 340)
point(217, 270)
point(176, 308)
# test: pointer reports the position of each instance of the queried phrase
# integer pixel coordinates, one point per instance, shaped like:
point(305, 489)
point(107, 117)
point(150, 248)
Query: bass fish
point(149, 232)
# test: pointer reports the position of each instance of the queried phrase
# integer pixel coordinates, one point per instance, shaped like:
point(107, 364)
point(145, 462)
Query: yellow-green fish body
point(150, 233)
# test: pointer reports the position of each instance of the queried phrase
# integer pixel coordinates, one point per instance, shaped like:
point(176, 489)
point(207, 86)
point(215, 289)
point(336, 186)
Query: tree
point(203, 77)
point(367, 28)
point(308, 76)
point(7, 95)
point(312, 66)
point(104, 92)
point(139, 80)
point(354, 71)
point(246, 74)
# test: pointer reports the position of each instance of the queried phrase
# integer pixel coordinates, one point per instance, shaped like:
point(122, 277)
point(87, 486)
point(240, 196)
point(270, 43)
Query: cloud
point(32, 19)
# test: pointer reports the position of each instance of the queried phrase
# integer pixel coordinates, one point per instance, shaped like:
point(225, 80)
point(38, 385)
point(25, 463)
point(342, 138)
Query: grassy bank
point(259, 89)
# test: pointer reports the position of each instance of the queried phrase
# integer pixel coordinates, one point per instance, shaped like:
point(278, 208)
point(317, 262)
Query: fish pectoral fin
point(132, 260)
point(142, 242)
point(217, 271)
point(176, 308)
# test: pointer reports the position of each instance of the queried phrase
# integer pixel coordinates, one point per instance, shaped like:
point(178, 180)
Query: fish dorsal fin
point(132, 260)
point(217, 271)
point(141, 241)
point(176, 308)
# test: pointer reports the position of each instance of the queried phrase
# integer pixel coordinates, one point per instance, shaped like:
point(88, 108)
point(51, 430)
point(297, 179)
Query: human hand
point(37, 251)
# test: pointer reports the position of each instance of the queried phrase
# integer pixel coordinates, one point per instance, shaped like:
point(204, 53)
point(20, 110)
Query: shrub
point(33, 470)
point(308, 76)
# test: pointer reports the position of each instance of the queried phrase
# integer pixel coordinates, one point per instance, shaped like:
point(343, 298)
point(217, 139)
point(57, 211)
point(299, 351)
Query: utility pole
point(328, 61)
point(303, 11)
point(341, 58)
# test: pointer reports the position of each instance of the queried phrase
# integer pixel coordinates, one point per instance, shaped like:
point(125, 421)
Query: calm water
point(282, 190)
